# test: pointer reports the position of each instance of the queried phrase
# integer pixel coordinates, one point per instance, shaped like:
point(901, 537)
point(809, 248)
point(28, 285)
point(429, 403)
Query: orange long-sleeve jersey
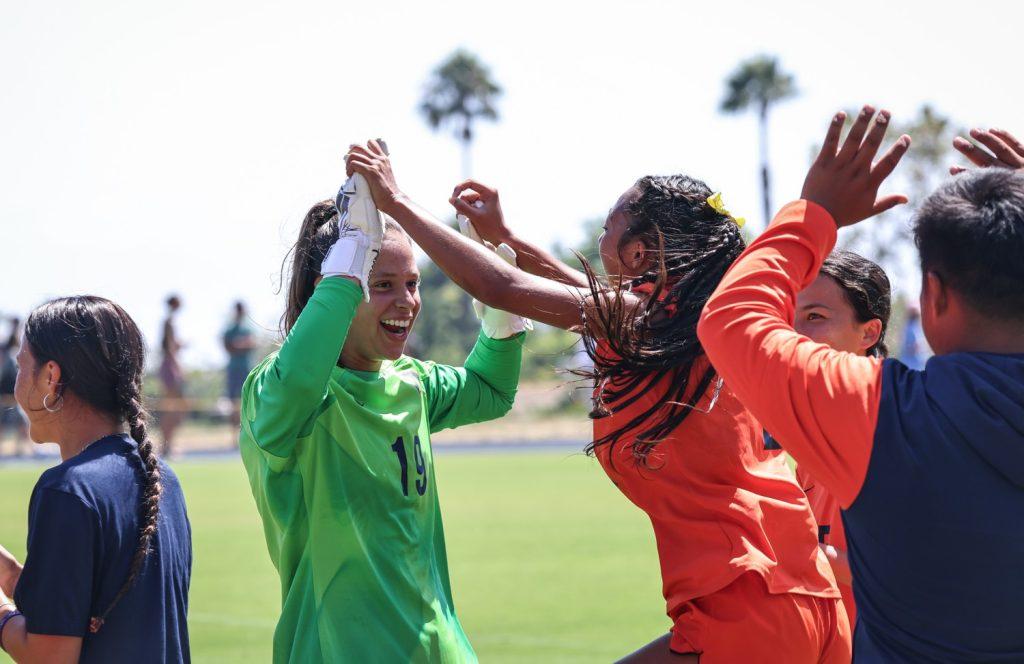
point(928, 466)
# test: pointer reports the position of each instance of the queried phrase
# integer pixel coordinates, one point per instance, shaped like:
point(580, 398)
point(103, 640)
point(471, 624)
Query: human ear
point(871, 332)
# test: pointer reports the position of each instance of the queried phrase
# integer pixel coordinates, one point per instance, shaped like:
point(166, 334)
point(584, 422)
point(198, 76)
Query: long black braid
point(695, 245)
point(101, 354)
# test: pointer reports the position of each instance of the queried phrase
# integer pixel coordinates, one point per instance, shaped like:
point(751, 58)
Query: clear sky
point(147, 148)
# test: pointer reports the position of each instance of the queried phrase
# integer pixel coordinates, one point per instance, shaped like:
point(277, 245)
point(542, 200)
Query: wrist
point(394, 204)
point(505, 235)
point(7, 614)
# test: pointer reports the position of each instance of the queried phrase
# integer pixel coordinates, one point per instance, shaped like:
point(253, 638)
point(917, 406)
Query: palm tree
point(759, 82)
point(458, 93)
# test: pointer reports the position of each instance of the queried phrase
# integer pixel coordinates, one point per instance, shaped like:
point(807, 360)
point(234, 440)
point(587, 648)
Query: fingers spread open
point(873, 141)
point(831, 144)
point(860, 126)
point(888, 161)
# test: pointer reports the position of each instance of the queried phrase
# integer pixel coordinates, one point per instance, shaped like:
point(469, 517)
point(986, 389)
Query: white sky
point(155, 147)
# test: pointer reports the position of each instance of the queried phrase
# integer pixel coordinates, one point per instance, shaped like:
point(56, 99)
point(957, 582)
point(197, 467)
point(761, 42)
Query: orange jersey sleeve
point(819, 403)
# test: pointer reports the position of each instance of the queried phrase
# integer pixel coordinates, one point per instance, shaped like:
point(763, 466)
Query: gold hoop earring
point(56, 406)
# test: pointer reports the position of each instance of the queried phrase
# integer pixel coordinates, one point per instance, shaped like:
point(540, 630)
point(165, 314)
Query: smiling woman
point(335, 437)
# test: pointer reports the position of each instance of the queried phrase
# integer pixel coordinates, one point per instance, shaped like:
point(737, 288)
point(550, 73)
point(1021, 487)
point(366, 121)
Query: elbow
point(504, 402)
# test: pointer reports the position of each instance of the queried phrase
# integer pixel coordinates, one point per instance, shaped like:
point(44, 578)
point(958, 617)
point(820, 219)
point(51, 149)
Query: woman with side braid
point(743, 578)
point(109, 556)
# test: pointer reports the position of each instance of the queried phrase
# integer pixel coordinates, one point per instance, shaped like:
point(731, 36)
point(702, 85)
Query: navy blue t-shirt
point(83, 529)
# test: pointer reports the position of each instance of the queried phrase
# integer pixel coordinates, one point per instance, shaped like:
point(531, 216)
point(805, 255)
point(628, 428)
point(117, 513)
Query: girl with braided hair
point(109, 557)
point(743, 577)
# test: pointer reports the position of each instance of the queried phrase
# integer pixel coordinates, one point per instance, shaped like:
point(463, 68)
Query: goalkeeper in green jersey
point(335, 438)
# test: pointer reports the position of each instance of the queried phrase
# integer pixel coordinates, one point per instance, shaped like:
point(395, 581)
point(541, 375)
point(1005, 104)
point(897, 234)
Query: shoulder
point(87, 468)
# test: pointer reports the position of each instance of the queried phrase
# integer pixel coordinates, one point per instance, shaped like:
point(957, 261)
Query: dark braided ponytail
point(102, 355)
point(695, 246)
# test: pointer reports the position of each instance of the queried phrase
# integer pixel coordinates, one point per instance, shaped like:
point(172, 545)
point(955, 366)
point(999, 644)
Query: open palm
point(845, 180)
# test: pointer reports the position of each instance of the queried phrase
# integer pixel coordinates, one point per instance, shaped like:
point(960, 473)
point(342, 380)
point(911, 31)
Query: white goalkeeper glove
point(360, 233)
point(496, 324)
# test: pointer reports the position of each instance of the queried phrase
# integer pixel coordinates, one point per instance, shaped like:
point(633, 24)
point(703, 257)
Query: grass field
point(549, 562)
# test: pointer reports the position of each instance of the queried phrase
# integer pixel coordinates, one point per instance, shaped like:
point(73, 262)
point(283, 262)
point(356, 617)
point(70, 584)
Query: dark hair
point(101, 356)
point(970, 232)
point(866, 287)
point(317, 235)
point(696, 245)
point(173, 301)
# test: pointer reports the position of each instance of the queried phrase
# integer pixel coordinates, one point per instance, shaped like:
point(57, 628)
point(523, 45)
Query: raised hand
point(845, 180)
point(481, 205)
point(1006, 150)
point(496, 324)
point(360, 234)
point(372, 162)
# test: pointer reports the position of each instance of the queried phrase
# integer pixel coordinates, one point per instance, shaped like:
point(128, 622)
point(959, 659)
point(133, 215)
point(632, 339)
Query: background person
point(172, 377)
point(239, 342)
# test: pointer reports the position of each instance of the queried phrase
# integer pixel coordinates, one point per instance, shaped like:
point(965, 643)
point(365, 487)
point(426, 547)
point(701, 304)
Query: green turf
point(549, 562)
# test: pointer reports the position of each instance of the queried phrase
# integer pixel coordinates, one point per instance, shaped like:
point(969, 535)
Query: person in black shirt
point(109, 558)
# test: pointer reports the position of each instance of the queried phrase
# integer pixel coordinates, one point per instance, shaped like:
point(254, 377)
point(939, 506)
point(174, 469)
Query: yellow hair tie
point(715, 201)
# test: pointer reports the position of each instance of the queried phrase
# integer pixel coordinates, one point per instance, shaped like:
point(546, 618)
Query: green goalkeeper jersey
point(342, 471)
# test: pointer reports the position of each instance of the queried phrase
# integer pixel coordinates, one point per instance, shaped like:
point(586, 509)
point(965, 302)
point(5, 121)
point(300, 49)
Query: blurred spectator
point(914, 350)
point(11, 417)
point(239, 342)
point(172, 406)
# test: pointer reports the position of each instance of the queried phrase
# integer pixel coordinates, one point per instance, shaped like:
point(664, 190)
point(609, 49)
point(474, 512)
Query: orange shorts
point(743, 622)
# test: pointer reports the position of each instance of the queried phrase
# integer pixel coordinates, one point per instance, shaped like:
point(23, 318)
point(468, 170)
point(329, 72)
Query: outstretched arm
point(821, 404)
point(476, 270)
point(481, 205)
